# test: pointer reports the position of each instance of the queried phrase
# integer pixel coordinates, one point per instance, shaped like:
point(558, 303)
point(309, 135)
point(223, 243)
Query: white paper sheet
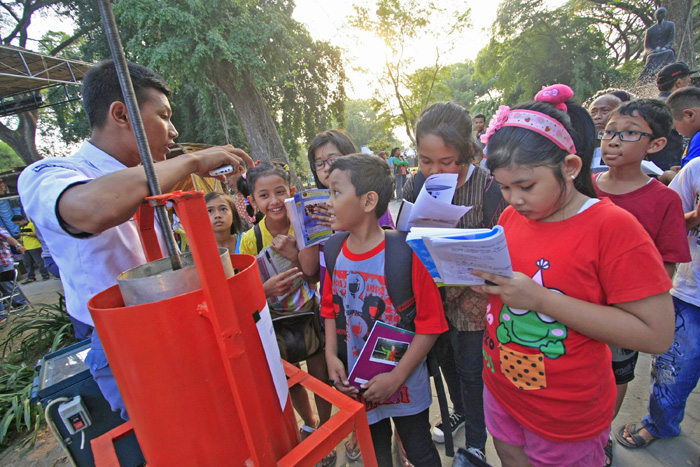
point(433, 207)
point(272, 352)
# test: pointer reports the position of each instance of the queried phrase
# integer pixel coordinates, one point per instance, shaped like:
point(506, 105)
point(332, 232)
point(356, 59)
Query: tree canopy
point(403, 93)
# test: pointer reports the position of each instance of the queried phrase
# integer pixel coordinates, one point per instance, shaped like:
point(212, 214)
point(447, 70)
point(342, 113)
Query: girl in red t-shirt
point(585, 274)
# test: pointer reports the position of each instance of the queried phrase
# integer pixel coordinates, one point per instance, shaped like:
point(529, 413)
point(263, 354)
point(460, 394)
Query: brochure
point(300, 210)
point(433, 207)
point(383, 350)
point(450, 255)
point(272, 263)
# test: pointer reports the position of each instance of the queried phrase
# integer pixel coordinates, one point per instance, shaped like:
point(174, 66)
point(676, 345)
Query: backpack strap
point(258, 237)
point(331, 250)
point(399, 281)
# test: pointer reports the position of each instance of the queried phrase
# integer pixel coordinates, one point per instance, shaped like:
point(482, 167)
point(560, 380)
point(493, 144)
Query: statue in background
point(658, 41)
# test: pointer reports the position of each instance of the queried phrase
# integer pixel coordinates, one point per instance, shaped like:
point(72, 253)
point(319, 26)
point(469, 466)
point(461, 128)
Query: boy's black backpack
point(399, 283)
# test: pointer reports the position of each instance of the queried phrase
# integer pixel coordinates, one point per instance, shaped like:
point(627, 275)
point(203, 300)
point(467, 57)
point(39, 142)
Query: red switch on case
point(77, 422)
point(74, 415)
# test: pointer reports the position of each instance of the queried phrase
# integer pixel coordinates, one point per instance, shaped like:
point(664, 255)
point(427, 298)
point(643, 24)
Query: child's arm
point(648, 323)
point(336, 369)
point(281, 284)
point(309, 261)
point(692, 219)
point(670, 268)
point(383, 386)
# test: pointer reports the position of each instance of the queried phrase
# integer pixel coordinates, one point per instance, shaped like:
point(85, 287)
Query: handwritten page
point(433, 206)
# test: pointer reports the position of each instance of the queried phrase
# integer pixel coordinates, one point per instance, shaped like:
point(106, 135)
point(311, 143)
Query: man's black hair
point(479, 116)
point(18, 217)
point(682, 99)
point(653, 111)
point(368, 173)
point(101, 88)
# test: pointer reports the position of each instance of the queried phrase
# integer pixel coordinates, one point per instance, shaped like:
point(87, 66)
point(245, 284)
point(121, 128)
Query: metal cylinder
point(157, 281)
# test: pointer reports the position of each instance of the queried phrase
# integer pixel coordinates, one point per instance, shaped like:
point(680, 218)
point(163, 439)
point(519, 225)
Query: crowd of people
point(600, 211)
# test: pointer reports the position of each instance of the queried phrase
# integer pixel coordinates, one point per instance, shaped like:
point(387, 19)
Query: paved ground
point(681, 451)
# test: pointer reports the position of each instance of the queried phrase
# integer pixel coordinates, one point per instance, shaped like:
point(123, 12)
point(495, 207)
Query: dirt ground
point(45, 453)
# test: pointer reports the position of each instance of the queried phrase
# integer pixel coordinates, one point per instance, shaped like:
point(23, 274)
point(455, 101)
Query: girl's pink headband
point(536, 121)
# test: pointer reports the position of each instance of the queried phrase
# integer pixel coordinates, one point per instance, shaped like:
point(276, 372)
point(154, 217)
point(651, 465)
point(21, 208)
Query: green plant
point(17, 411)
point(41, 328)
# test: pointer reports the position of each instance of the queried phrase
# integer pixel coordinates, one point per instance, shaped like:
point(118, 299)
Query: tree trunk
point(679, 11)
point(257, 123)
point(22, 140)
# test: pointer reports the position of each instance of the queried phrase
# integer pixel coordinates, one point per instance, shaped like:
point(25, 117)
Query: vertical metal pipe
point(115, 45)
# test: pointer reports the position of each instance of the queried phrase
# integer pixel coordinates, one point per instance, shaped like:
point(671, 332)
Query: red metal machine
point(193, 372)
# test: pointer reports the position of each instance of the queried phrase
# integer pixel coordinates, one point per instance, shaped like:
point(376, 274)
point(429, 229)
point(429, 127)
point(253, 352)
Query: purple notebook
point(382, 351)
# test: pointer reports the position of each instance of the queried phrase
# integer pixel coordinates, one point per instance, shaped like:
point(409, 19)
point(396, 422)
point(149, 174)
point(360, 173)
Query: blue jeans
point(6, 289)
point(51, 266)
point(102, 374)
point(462, 368)
point(674, 374)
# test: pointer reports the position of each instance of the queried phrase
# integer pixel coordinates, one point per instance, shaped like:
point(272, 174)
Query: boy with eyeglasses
point(635, 129)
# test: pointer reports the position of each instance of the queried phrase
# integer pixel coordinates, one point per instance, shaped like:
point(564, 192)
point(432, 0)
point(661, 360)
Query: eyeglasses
point(320, 164)
point(625, 135)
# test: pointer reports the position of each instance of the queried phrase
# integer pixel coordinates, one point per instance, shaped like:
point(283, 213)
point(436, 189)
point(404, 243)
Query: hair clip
point(496, 122)
point(257, 163)
point(556, 95)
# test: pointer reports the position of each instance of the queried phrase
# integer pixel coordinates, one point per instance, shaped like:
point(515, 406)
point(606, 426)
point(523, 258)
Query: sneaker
point(456, 422)
point(478, 453)
point(45, 278)
point(28, 281)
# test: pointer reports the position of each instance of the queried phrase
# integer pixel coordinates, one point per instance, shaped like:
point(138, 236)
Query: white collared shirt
point(89, 263)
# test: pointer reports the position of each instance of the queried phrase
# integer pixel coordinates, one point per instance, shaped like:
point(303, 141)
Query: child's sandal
point(352, 448)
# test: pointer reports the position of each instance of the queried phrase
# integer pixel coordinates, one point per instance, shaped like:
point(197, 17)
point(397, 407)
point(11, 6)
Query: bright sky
point(326, 20)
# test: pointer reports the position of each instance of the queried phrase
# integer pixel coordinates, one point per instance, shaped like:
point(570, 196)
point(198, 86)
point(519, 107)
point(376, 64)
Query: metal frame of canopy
point(25, 73)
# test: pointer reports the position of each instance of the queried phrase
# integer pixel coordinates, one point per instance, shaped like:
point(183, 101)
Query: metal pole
point(115, 45)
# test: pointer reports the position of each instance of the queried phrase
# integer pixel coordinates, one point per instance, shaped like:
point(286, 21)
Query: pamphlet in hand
point(272, 263)
point(433, 207)
point(300, 210)
point(450, 255)
point(383, 350)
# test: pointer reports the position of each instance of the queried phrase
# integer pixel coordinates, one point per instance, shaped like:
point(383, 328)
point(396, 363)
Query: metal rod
point(115, 45)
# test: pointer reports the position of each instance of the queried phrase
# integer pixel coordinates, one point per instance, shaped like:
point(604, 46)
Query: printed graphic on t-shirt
point(531, 329)
point(362, 297)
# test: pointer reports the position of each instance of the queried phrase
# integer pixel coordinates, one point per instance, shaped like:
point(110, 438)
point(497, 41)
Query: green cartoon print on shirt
point(532, 329)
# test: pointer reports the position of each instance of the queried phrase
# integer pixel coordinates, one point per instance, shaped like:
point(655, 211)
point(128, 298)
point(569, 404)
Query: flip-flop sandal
point(609, 451)
point(639, 441)
point(329, 460)
point(352, 448)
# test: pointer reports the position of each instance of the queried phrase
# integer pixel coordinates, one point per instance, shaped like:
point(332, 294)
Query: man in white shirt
point(84, 204)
